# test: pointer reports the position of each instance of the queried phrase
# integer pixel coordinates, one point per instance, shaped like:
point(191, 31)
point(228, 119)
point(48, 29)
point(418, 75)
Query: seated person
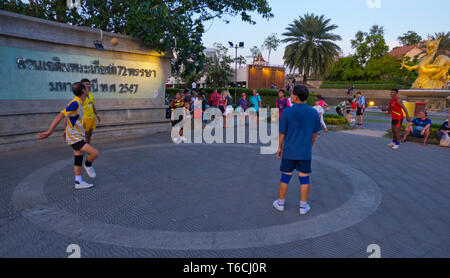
point(444, 129)
point(422, 126)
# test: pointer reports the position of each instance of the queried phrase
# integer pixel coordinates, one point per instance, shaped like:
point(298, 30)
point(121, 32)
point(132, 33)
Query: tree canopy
point(409, 38)
point(272, 42)
point(160, 24)
point(311, 45)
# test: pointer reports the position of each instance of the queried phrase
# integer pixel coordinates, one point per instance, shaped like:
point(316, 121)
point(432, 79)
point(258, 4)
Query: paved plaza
point(153, 198)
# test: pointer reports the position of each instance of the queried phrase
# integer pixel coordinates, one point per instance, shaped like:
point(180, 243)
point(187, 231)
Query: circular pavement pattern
point(193, 197)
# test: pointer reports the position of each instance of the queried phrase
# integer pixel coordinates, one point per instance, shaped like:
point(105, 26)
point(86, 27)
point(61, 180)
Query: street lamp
point(236, 46)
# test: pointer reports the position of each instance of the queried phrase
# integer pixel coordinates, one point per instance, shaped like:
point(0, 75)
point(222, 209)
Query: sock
point(303, 204)
point(88, 164)
point(78, 179)
point(397, 143)
point(281, 202)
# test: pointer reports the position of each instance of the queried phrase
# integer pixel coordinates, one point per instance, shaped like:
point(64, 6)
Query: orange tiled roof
point(403, 50)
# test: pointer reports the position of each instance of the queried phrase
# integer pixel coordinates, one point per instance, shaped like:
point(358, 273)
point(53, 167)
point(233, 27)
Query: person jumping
point(75, 136)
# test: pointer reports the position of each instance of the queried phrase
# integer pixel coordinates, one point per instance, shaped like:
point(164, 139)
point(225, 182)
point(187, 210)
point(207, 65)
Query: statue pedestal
point(436, 100)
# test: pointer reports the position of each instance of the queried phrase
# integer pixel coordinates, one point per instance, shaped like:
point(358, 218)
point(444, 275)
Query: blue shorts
point(302, 166)
point(417, 131)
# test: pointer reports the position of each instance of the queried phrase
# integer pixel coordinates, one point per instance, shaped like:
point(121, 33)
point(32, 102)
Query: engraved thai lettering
point(94, 85)
point(112, 88)
point(104, 87)
point(20, 63)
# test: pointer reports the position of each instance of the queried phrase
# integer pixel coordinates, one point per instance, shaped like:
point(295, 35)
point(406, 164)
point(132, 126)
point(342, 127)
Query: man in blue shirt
point(299, 125)
point(421, 128)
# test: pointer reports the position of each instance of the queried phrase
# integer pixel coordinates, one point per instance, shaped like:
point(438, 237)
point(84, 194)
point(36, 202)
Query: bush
point(331, 119)
point(269, 97)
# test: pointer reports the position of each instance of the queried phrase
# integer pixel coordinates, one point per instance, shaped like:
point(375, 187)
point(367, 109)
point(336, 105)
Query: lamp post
point(235, 46)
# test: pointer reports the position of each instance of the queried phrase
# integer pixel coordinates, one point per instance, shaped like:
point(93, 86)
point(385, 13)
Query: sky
point(397, 16)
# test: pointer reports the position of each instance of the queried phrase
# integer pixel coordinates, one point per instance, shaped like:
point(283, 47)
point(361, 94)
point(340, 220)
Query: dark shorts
point(222, 109)
point(78, 145)
point(177, 121)
point(417, 132)
point(360, 112)
point(302, 166)
point(397, 122)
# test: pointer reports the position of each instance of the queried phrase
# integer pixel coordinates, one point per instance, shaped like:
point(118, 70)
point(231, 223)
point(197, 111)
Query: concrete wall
point(29, 98)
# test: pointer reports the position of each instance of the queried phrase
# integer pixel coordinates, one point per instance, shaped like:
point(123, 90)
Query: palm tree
point(311, 47)
point(444, 46)
point(271, 43)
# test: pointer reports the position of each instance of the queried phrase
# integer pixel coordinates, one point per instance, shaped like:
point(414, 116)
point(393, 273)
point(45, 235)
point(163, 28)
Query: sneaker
point(396, 147)
point(83, 185)
point(391, 145)
point(304, 210)
point(277, 206)
point(183, 138)
point(90, 171)
point(176, 140)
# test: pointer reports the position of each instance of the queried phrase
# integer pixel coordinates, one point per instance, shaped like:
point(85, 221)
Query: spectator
point(194, 85)
point(242, 107)
point(282, 102)
point(228, 108)
point(350, 90)
point(421, 128)
point(255, 102)
point(443, 130)
point(320, 111)
point(214, 99)
point(360, 106)
point(322, 102)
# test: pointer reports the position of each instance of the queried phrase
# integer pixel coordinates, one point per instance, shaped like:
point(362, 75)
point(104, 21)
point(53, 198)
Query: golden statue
point(432, 75)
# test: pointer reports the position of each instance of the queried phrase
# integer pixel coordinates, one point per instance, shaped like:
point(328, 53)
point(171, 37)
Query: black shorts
point(360, 112)
point(302, 166)
point(397, 122)
point(177, 121)
point(222, 109)
point(78, 145)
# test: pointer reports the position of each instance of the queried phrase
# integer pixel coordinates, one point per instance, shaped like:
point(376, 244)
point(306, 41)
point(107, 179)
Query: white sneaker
point(304, 210)
point(183, 139)
point(90, 171)
point(391, 145)
point(396, 147)
point(176, 140)
point(83, 185)
point(277, 206)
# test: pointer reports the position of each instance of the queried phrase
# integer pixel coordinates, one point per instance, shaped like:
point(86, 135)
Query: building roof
point(403, 50)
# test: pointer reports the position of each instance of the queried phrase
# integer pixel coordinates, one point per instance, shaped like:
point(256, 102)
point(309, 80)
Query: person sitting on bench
point(421, 128)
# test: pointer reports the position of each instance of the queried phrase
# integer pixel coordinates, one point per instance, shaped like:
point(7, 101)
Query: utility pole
point(235, 46)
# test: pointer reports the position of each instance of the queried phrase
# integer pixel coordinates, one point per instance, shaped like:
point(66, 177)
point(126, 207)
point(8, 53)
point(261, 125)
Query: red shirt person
point(396, 108)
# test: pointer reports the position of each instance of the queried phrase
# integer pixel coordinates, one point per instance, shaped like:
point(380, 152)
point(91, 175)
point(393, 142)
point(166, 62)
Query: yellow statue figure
point(432, 75)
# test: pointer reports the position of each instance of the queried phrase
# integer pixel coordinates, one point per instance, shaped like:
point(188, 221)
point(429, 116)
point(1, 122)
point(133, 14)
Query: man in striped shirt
point(75, 135)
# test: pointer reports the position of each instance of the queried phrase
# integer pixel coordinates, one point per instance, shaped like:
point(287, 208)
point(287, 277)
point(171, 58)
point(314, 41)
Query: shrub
point(331, 119)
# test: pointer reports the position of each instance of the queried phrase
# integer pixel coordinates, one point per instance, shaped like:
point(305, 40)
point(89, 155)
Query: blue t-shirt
point(421, 123)
point(298, 123)
point(255, 101)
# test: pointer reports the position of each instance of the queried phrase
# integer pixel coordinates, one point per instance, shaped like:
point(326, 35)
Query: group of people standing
point(353, 109)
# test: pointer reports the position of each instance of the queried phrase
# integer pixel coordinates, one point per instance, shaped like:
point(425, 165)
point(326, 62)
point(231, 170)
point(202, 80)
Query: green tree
point(159, 24)
point(254, 53)
point(218, 67)
point(271, 43)
point(444, 45)
point(311, 45)
point(370, 45)
point(409, 38)
point(347, 69)
point(240, 60)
